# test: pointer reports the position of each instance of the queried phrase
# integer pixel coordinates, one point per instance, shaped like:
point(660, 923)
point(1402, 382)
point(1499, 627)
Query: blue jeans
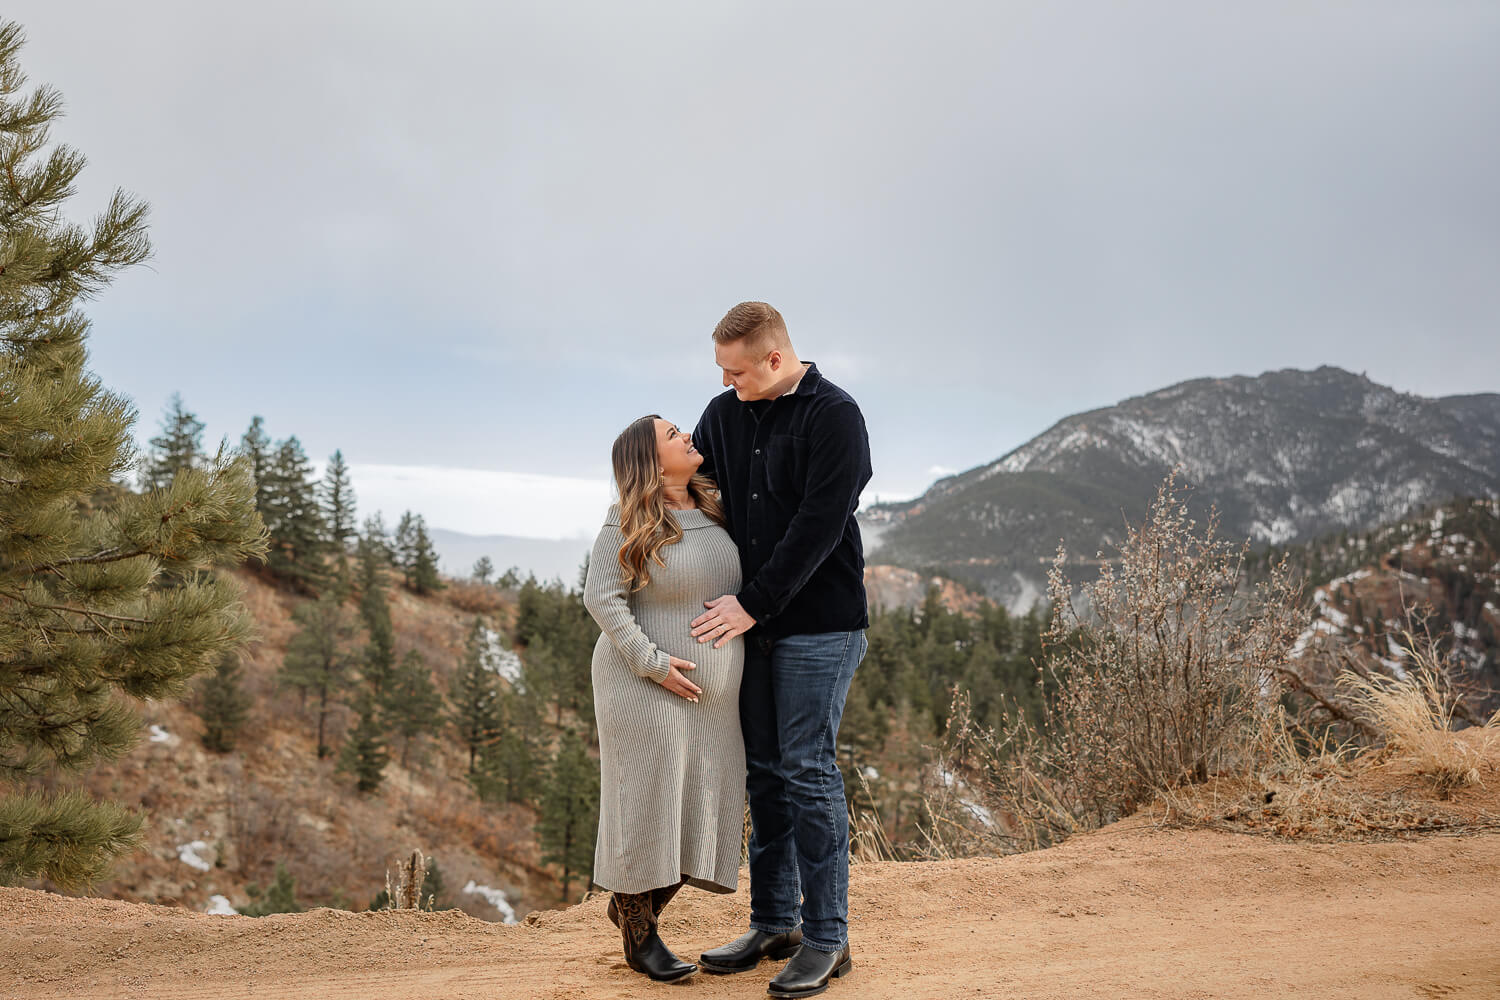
point(791, 700)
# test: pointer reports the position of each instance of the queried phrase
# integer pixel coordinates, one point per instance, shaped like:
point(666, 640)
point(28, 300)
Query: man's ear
point(774, 360)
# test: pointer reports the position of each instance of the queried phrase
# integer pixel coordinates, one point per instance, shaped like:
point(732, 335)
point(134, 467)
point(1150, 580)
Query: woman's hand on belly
point(677, 681)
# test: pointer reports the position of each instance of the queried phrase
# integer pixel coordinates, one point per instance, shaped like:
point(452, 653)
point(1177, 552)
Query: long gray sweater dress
point(672, 772)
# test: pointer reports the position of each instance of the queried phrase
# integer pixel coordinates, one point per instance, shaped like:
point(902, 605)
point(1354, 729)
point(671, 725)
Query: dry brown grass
point(474, 598)
point(1311, 790)
point(1415, 714)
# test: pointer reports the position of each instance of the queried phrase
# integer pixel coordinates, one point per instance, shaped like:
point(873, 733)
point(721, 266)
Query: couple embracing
point(728, 583)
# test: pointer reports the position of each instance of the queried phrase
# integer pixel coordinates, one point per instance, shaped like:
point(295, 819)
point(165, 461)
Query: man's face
point(751, 374)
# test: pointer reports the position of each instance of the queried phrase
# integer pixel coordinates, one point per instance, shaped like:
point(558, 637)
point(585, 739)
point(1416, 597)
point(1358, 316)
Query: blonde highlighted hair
point(643, 509)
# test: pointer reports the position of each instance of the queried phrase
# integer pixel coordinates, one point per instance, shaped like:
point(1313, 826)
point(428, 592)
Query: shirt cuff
point(754, 603)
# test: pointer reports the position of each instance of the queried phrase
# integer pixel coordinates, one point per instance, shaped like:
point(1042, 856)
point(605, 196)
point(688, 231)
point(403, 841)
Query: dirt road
point(1130, 911)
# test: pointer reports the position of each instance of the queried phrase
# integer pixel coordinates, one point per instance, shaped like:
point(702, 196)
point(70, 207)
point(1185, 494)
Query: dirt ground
point(1129, 911)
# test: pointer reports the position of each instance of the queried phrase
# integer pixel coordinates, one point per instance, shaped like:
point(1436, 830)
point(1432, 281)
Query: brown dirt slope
point(1129, 911)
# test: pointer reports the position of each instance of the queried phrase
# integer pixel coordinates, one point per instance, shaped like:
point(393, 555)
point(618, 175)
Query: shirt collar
point(801, 378)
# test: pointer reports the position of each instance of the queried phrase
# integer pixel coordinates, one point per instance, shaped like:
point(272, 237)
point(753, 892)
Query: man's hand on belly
point(723, 620)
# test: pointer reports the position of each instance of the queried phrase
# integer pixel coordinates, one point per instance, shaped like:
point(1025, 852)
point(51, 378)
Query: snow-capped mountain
point(1284, 456)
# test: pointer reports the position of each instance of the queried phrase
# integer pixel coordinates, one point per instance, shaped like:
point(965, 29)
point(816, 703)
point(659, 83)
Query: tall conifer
point(222, 704)
point(319, 658)
point(568, 816)
point(412, 706)
point(475, 696)
point(299, 536)
point(84, 629)
point(338, 512)
point(255, 445)
point(179, 446)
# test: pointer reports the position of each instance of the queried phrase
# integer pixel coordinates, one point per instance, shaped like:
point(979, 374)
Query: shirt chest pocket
point(786, 466)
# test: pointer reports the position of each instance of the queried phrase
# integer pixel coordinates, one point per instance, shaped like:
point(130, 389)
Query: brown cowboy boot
point(659, 900)
point(644, 950)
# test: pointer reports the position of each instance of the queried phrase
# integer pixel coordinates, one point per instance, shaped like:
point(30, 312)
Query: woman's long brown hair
point(643, 510)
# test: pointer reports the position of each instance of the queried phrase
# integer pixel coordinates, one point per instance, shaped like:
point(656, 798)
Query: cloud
point(482, 501)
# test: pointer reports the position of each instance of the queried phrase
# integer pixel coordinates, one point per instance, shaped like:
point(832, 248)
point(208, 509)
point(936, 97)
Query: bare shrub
point(1162, 682)
point(262, 824)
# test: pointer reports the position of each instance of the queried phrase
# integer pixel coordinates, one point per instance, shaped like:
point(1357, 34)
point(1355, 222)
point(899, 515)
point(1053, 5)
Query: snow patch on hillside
point(495, 897)
point(188, 855)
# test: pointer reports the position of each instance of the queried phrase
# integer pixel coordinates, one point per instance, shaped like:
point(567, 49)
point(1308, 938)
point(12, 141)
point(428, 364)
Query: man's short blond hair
point(757, 324)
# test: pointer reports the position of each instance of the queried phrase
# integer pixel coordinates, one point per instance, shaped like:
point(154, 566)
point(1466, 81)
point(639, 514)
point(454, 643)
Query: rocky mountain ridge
point(1284, 456)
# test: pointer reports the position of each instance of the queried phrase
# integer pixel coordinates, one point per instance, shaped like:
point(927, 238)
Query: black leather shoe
point(656, 960)
point(745, 952)
point(809, 971)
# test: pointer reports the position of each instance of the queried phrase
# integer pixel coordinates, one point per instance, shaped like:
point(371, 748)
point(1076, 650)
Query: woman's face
point(675, 452)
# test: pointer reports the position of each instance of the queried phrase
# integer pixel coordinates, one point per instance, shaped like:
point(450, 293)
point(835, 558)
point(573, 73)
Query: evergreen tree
point(280, 897)
point(568, 814)
point(380, 653)
point(483, 569)
point(298, 532)
point(475, 696)
point(338, 512)
point(222, 704)
point(404, 546)
point(507, 769)
point(84, 630)
point(178, 447)
point(364, 752)
point(424, 565)
point(318, 658)
point(413, 707)
point(255, 445)
point(378, 538)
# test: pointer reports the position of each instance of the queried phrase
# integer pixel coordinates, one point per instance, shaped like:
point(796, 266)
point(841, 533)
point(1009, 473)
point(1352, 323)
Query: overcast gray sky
point(468, 242)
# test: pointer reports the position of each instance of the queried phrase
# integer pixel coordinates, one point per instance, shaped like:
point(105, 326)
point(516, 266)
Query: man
point(790, 453)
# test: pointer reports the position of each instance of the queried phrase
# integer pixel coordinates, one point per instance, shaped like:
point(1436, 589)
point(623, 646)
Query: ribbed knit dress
point(672, 771)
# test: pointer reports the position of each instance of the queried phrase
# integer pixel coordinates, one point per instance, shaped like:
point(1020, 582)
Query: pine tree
point(364, 752)
point(404, 545)
point(319, 657)
point(280, 897)
point(222, 704)
point(568, 814)
point(475, 696)
point(255, 445)
point(412, 707)
point(424, 565)
point(414, 554)
point(298, 533)
point(483, 569)
point(84, 630)
point(380, 653)
point(507, 770)
point(376, 536)
point(338, 512)
point(178, 447)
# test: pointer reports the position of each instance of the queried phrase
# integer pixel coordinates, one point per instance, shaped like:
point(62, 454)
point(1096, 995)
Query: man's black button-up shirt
point(790, 471)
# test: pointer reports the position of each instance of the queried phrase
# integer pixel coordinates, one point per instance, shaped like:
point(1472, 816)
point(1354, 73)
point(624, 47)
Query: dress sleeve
point(604, 595)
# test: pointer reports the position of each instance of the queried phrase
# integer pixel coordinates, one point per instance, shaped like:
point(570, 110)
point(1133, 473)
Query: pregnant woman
point(671, 757)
